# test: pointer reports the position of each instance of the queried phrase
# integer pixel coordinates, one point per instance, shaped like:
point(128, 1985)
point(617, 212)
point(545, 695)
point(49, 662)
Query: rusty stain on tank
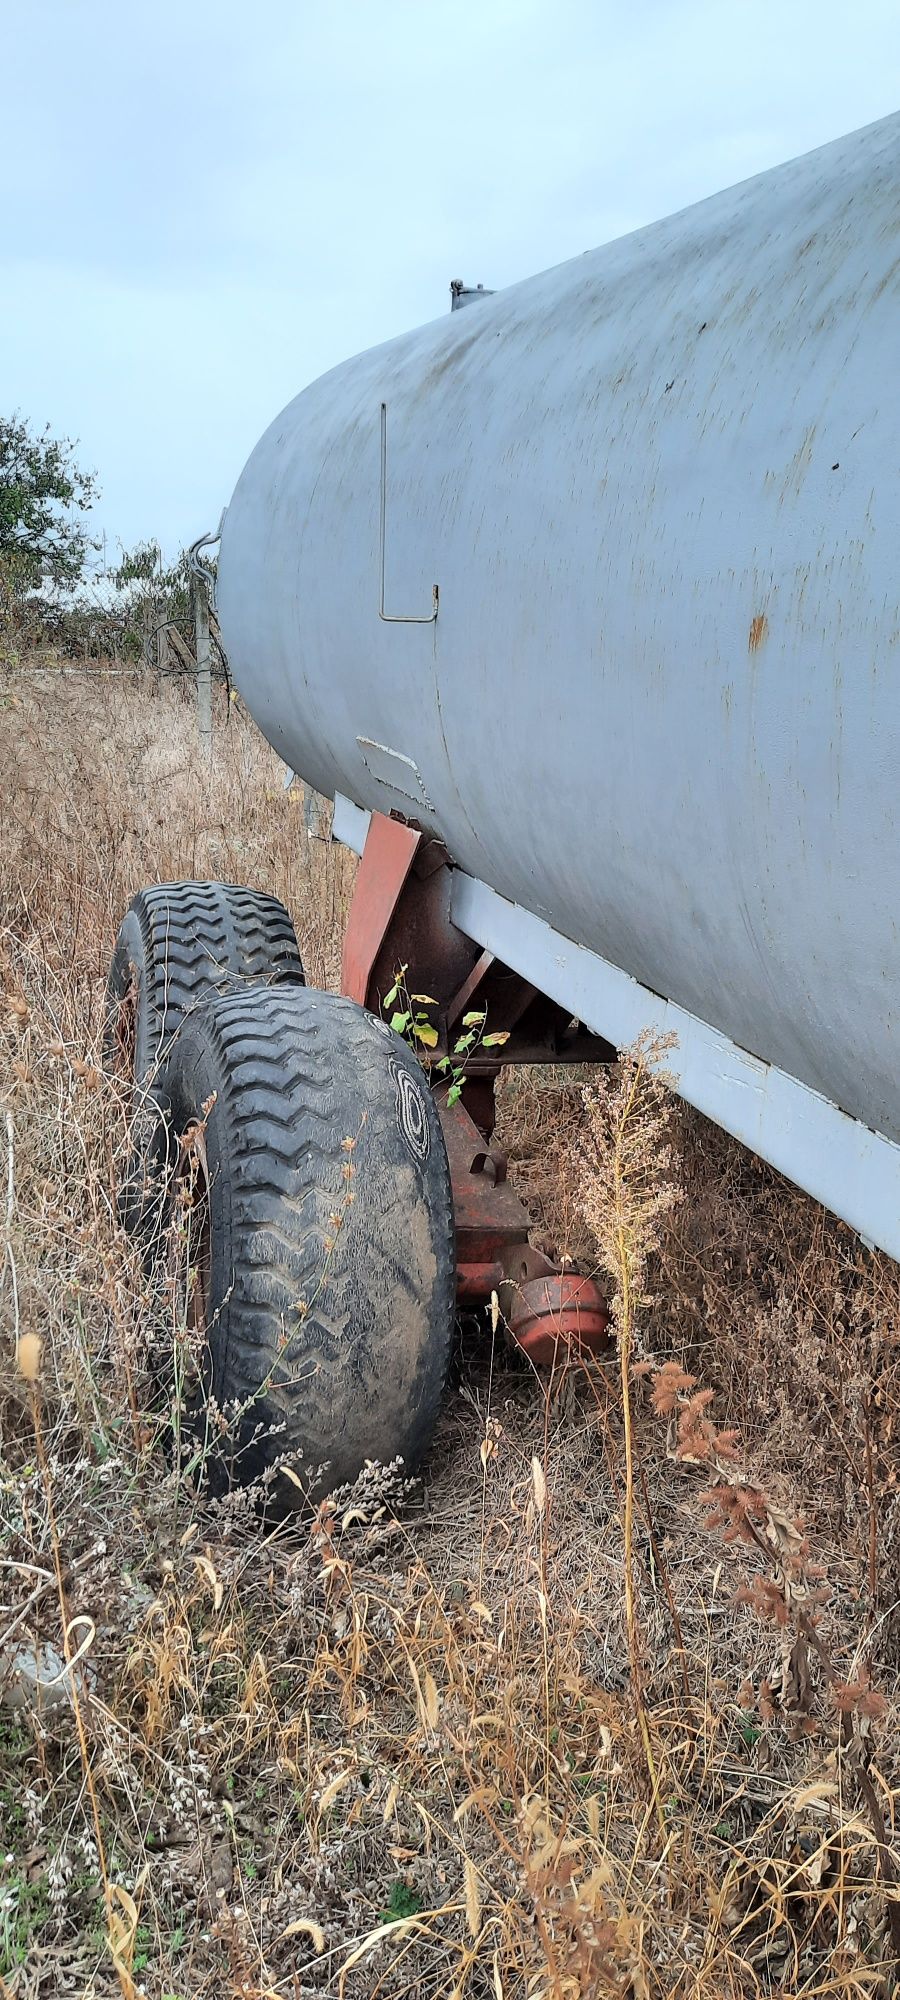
point(759, 627)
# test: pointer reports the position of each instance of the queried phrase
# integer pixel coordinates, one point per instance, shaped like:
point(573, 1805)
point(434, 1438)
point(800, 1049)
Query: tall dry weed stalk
point(629, 1188)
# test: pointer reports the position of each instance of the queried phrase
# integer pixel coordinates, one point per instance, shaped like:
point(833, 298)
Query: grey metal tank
point(653, 498)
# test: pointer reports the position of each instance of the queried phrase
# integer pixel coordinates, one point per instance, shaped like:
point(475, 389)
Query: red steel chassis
point(400, 917)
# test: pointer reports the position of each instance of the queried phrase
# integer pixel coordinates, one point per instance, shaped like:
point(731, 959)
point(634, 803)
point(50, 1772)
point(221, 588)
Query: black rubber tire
point(331, 1257)
point(179, 945)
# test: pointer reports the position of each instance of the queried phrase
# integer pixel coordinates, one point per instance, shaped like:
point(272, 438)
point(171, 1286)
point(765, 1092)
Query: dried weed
point(402, 1750)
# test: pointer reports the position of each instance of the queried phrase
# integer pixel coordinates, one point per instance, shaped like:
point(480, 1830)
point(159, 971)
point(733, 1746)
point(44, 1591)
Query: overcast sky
point(207, 203)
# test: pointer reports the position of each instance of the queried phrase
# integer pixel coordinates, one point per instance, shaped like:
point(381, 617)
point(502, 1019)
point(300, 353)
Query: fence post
point(204, 675)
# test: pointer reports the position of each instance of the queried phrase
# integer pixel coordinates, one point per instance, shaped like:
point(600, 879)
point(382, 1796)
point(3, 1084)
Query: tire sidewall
point(130, 966)
point(145, 1106)
point(197, 1080)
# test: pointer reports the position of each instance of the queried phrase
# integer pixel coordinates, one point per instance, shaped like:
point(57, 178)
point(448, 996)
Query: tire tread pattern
point(202, 937)
point(360, 1372)
point(182, 944)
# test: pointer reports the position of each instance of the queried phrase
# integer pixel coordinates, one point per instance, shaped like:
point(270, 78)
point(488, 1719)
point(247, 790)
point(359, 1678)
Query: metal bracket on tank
point(394, 617)
point(400, 915)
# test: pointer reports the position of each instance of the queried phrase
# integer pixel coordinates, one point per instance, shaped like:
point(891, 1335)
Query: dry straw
point(551, 1725)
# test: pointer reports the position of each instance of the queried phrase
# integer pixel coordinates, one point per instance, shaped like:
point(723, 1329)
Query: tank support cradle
point(400, 918)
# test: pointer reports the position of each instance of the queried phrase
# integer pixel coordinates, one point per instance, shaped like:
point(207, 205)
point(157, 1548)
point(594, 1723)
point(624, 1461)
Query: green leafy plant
point(407, 1016)
point(402, 1902)
point(153, 607)
point(24, 1909)
point(44, 496)
point(142, 1946)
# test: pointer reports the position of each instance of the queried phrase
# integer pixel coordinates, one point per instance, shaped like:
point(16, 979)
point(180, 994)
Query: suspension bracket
point(400, 916)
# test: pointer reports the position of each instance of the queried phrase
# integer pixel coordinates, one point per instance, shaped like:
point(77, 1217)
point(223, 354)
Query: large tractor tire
point(317, 1272)
point(179, 945)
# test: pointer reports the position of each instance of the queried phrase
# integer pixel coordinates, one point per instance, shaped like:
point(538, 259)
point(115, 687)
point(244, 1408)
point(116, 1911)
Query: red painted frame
point(400, 916)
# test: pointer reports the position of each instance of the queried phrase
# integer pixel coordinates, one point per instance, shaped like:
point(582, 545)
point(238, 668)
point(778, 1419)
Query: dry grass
point(400, 1753)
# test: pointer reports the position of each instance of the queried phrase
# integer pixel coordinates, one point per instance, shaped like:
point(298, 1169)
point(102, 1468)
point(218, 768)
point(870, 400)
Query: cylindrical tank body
point(658, 489)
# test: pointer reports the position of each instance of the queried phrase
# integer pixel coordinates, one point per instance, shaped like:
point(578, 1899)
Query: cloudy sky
point(207, 203)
